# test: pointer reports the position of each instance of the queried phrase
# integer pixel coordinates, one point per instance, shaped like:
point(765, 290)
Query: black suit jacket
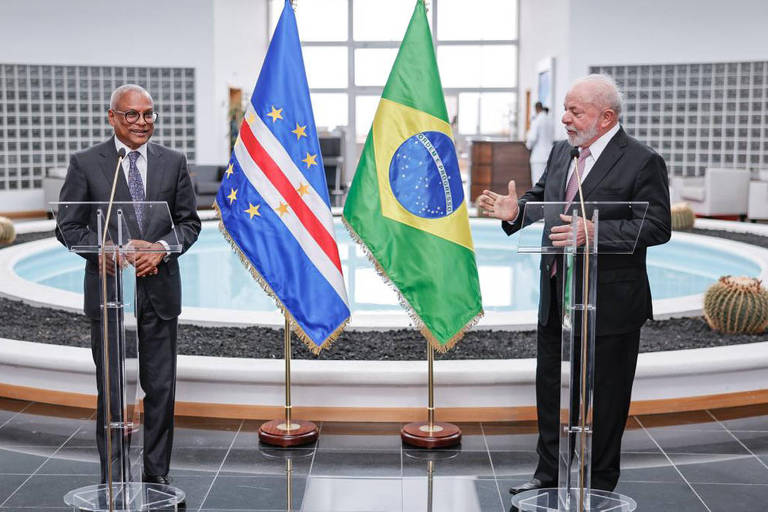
point(625, 171)
point(89, 178)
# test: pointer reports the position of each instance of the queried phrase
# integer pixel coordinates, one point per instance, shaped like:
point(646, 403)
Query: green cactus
point(7, 231)
point(682, 216)
point(737, 305)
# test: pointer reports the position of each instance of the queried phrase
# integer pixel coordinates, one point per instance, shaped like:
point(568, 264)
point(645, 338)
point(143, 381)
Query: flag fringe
point(415, 318)
point(311, 345)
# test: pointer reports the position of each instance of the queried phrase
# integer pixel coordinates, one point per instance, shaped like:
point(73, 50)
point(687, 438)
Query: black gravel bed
point(747, 238)
point(45, 325)
point(29, 237)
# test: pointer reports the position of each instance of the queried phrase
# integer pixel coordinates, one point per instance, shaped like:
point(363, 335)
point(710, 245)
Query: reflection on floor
point(700, 461)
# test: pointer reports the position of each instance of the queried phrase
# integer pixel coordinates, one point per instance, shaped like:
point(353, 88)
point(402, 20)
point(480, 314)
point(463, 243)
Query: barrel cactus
point(7, 231)
point(682, 216)
point(737, 305)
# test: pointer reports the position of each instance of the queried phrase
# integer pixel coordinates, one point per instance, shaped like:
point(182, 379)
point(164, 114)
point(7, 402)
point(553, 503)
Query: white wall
point(663, 31)
point(607, 32)
point(543, 34)
point(239, 46)
point(224, 40)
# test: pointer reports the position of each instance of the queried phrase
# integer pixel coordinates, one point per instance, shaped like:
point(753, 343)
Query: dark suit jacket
point(89, 178)
point(625, 171)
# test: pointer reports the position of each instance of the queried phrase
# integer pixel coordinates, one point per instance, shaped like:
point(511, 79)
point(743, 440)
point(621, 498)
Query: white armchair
point(758, 200)
point(718, 192)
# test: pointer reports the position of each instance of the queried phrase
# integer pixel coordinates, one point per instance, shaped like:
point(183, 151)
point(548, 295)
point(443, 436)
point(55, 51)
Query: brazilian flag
point(406, 205)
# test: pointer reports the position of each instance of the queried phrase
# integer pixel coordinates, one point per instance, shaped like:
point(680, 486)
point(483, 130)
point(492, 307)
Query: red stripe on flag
point(280, 181)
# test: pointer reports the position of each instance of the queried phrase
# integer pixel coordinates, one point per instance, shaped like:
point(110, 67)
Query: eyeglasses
point(132, 116)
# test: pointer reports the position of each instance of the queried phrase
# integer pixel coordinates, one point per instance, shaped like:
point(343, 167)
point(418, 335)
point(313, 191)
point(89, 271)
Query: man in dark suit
point(612, 166)
point(149, 172)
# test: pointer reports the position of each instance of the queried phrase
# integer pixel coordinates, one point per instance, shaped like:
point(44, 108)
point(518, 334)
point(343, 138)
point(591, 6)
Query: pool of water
point(213, 276)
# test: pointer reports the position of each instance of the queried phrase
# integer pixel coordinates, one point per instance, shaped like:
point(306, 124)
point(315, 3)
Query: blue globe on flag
point(424, 175)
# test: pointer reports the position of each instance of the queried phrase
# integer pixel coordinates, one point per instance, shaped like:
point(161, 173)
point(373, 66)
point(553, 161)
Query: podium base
point(441, 436)
point(278, 433)
point(550, 500)
point(126, 497)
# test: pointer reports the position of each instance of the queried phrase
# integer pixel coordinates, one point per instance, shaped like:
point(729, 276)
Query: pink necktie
point(573, 183)
point(572, 189)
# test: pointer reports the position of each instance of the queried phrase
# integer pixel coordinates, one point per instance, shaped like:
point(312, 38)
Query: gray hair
point(606, 94)
point(118, 93)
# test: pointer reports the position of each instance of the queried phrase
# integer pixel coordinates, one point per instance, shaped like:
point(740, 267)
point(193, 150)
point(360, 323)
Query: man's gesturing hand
point(498, 206)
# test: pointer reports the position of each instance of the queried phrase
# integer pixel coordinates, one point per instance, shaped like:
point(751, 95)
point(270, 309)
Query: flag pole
point(289, 484)
point(431, 386)
point(287, 431)
point(287, 339)
point(431, 434)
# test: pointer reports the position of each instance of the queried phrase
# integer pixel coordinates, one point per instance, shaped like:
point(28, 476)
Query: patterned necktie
point(572, 189)
point(136, 186)
point(573, 183)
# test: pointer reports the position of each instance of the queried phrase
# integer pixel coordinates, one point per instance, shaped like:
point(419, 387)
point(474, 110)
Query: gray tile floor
point(700, 461)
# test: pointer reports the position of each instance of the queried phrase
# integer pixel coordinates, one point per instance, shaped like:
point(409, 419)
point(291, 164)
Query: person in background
point(539, 141)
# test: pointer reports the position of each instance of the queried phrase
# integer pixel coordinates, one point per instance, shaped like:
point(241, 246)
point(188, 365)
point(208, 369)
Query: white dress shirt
point(141, 162)
point(595, 150)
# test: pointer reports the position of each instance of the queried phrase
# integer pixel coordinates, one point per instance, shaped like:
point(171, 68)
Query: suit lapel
point(155, 175)
point(154, 172)
point(108, 165)
point(605, 163)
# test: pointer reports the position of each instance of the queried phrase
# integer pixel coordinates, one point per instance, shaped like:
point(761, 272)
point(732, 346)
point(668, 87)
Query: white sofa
point(719, 192)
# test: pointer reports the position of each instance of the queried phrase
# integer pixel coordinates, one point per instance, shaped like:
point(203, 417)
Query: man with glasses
point(149, 172)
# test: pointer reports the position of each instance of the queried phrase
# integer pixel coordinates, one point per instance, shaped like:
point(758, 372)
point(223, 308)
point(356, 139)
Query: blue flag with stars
point(273, 201)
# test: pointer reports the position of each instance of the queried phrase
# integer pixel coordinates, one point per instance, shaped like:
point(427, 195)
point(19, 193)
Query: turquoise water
point(213, 276)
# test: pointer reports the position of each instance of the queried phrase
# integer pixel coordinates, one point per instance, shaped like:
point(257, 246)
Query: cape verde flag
point(273, 200)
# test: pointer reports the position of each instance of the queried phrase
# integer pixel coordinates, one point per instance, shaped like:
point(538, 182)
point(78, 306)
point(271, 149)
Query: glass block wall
point(49, 112)
point(697, 115)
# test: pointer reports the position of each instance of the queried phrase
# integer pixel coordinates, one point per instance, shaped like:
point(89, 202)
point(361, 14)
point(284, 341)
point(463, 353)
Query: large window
point(349, 47)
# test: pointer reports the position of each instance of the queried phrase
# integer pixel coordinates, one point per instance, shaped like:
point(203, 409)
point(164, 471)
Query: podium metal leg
point(574, 493)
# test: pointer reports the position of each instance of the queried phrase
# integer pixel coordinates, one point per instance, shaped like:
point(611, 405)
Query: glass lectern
point(104, 235)
point(617, 226)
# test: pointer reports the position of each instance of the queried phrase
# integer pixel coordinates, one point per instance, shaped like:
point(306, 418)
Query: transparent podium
point(617, 226)
point(107, 238)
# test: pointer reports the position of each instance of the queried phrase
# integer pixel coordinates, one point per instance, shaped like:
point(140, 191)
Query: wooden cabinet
point(495, 162)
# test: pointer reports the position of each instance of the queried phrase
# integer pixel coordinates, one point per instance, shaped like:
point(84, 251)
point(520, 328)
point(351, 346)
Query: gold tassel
point(314, 348)
point(415, 319)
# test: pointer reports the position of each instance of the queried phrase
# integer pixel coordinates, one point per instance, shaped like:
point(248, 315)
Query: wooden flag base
point(440, 436)
point(277, 433)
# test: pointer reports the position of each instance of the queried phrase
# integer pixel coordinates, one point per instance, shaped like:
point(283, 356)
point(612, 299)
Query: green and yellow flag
point(406, 205)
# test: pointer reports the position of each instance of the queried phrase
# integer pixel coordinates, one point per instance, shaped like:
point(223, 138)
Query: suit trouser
point(615, 363)
point(157, 375)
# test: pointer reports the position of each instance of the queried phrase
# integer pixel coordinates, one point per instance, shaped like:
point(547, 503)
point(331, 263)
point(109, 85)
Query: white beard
point(578, 139)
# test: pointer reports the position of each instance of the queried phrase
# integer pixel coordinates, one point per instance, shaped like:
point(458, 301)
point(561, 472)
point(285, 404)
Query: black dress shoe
point(154, 479)
point(533, 483)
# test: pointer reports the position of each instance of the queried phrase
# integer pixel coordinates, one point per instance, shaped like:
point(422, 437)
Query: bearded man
point(612, 166)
